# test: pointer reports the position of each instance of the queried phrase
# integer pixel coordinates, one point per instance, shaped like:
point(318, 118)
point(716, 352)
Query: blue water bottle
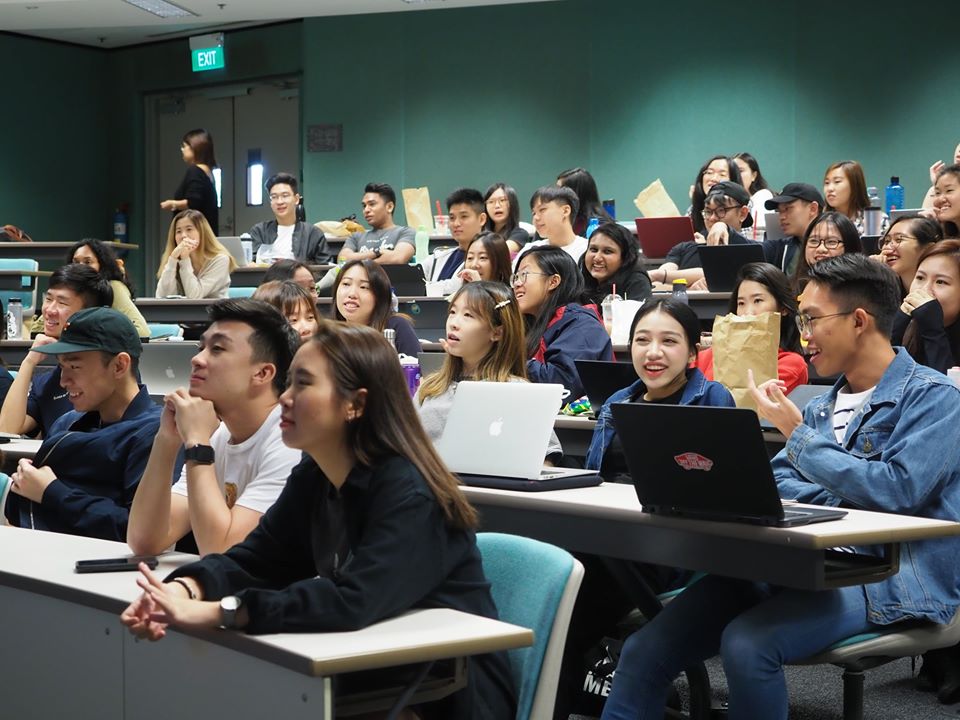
point(893, 195)
point(120, 226)
point(592, 225)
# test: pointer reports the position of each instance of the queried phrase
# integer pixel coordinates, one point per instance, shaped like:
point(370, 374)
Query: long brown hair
point(499, 254)
point(853, 171)
point(379, 286)
point(209, 246)
point(911, 337)
point(495, 305)
point(360, 358)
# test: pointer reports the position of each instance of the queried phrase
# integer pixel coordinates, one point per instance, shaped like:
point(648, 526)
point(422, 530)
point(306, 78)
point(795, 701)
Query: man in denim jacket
point(883, 438)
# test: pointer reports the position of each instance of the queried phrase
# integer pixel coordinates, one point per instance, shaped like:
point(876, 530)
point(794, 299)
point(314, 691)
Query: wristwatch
point(200, 454)
point(377, 252)
point(229, 607)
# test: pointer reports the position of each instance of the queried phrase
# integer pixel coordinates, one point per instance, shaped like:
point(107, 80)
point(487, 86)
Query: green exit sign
point(208, 59)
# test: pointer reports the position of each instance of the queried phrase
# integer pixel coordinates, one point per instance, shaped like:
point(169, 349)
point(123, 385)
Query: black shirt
point(327, 560)
point(687, 254)
point(199, 192)
point(614, 466)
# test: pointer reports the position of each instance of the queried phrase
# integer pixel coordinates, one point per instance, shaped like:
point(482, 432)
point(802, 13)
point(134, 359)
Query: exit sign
point(208, 59)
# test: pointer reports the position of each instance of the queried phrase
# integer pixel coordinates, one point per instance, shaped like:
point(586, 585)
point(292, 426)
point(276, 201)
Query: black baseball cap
point(795, 191)
point(733, 190)
point(98, 328)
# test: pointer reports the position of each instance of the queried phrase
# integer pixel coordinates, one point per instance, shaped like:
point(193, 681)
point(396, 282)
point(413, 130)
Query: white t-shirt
point(575, 249)
point(282, 248)
point(252, 473)
point(848, 404)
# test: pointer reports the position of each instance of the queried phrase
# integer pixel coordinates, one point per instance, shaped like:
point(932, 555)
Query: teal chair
point(862, 652)
point(534, 585)
point(27, 296)
point(164, 330)
point(240, 292)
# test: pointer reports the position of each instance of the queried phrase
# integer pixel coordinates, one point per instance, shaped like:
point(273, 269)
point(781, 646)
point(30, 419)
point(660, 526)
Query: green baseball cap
point(98, 328)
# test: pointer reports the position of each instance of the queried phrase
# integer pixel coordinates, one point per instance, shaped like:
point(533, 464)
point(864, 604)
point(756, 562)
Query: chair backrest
point(164, 330)
point(534, 585)
point(27, 296)
point(240, 292)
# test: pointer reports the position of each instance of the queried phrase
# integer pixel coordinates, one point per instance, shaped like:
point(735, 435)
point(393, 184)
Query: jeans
point(755, 628)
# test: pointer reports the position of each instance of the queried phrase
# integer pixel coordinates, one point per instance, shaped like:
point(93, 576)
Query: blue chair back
point(240, 292)
point(27, 296)
point(164, 330)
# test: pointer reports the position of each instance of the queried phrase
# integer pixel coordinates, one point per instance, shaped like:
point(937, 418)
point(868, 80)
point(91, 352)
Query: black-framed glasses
point(720, 213)
point(896, 239)
point(805, 321)
point(828, 243)
point(520, 278)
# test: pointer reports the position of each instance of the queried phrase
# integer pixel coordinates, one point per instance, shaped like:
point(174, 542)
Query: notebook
point(165, 366)
point(721, 263)
point(707, 463)
point(602, 378)
point(658, 235)
point(406, 280)
point(496, 435)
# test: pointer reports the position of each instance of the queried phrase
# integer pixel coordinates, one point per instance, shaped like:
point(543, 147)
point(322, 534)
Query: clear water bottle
point(893, 195)
point(680, 290)
point(391, 335)
point(592, 225)
point(873, 197)
point(15, 319)
point(394, 301)
point(422, 241)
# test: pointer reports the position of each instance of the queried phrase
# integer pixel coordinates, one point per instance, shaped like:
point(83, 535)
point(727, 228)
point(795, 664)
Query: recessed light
point(161, 8)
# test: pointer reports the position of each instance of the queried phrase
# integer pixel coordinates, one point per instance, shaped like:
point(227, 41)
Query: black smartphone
point(119, 564)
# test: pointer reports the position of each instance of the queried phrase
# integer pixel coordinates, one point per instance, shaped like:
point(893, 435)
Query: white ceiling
point(114, 23)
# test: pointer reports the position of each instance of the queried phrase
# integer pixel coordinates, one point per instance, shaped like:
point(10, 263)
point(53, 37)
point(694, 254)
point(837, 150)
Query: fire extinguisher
point(120, 224)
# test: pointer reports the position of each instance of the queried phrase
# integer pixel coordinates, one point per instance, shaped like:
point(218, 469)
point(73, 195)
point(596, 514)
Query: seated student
point(503, 215)
point(467, 219)
point(560, 330)
point(762, 288)
point(934, 171)
point(34, 401)
point(293, 302)
point(926, 324)
point(83, 477)
point(829, 235)
point(798, 205)
point(285, 237)
point(717, 169)
point(612, 264)
point(362, 296)
point(752, 179)
point(588, 198)
point(100, 256)
point(194, 264)
point(903, 242)
point(845, 190)
point(878, 440)
point(369, 525)
point(484, 342)
point(946, 200)
point(229, 424)
point(488, 258)
point(295, 271)
point(725, 209)
point(554, 209)
point(386, 242)
point(664, 340)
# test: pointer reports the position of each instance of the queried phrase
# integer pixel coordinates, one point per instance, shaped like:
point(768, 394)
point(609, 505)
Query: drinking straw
point(439, 211)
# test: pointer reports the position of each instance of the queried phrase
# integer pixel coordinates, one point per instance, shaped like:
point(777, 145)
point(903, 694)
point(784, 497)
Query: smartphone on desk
point(119, 564)
point(7, 437)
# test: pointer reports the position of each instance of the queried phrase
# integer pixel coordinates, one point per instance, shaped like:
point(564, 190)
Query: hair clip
point(501, 304)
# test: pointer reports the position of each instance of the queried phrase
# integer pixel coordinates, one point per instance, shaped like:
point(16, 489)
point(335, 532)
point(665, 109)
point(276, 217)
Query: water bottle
point(394, 301)
point(680, 290)
point(411, 371)
point(592, 225)
point(15, 319)
point(391, 335)
point(606, 307)
point(422, 241)
point(873, 197)
point(893, 195)
point(120, 226)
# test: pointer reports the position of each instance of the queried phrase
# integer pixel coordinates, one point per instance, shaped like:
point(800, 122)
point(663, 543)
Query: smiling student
point(488, 258)
point(554, 209)
point(797, 205)
point(829, 235)
point(100, 256)
point(719, 168)
point(194, 263)
point(903, 242)
point(612, 263)
point(946, 200)
point(285, 237)
point(369, 525)
point(467, 219)
point(385, 242)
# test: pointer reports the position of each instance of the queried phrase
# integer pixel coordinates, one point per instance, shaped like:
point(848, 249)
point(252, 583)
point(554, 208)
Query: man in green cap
point(83, 477)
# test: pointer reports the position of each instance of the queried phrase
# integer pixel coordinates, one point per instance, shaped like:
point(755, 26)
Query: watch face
point(230, 602)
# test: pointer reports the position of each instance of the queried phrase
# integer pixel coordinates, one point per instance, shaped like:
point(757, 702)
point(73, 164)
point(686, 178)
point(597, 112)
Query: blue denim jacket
point(697, 391)
point(901, 455)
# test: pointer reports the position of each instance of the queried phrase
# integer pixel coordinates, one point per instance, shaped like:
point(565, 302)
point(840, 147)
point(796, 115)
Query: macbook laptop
point(721, 263)
point(499, 431)
point(658, 235)
point(165, 366)
point(406, 280)
point(799, 396)
point(705, 462)
point(601, 379)
point(894, 214)
point(235, 247)
point(773, 230)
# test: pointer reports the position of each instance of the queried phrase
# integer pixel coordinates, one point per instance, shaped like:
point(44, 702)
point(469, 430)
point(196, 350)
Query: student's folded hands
point(195, 417)
point(773, 405)
point(31, 482)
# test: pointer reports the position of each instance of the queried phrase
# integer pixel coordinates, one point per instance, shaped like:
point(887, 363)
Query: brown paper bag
point(416, 203)
point(739, 343)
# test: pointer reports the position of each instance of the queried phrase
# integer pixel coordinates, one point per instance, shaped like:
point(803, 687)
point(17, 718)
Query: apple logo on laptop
point(496, 427)
point(170, 373)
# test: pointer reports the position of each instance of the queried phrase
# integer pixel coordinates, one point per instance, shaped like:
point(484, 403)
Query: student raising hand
point(774, 406)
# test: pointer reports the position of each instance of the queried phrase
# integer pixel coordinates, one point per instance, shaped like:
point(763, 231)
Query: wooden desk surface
point(43, 563)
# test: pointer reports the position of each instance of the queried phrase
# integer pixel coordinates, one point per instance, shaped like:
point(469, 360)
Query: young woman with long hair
point(503, 215)
point(197, 190)
point(100, 256)
point(488, 258)
point(194, 263)
point(294, 303)
point(612, 261)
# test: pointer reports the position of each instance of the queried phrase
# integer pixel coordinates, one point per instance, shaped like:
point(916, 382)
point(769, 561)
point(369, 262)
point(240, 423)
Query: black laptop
point(707, 463)
point(406, 280)
point(721, 263)
point(602, 378)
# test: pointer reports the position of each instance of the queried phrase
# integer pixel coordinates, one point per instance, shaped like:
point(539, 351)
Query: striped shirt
point(848, 404)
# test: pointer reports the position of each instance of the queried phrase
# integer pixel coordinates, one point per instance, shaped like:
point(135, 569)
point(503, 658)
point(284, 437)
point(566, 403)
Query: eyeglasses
point(805, 321)
point(719, 212)
point(828, 243)
point(282, 196)
point(716, 173)
point(896, 239)
point(520, 278)
point(496, 202)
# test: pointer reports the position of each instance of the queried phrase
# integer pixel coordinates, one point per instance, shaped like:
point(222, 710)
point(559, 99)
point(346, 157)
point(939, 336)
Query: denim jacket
point(697, 391)
point(900, 455)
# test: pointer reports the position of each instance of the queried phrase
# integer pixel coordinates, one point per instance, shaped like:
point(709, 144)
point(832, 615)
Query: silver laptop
point(773, 230)
point(235, 246)
point(502, 430)
point(165, 366)
point(895, 214)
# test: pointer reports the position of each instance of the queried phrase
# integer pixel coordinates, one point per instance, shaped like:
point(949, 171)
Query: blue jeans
point(755, 628)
